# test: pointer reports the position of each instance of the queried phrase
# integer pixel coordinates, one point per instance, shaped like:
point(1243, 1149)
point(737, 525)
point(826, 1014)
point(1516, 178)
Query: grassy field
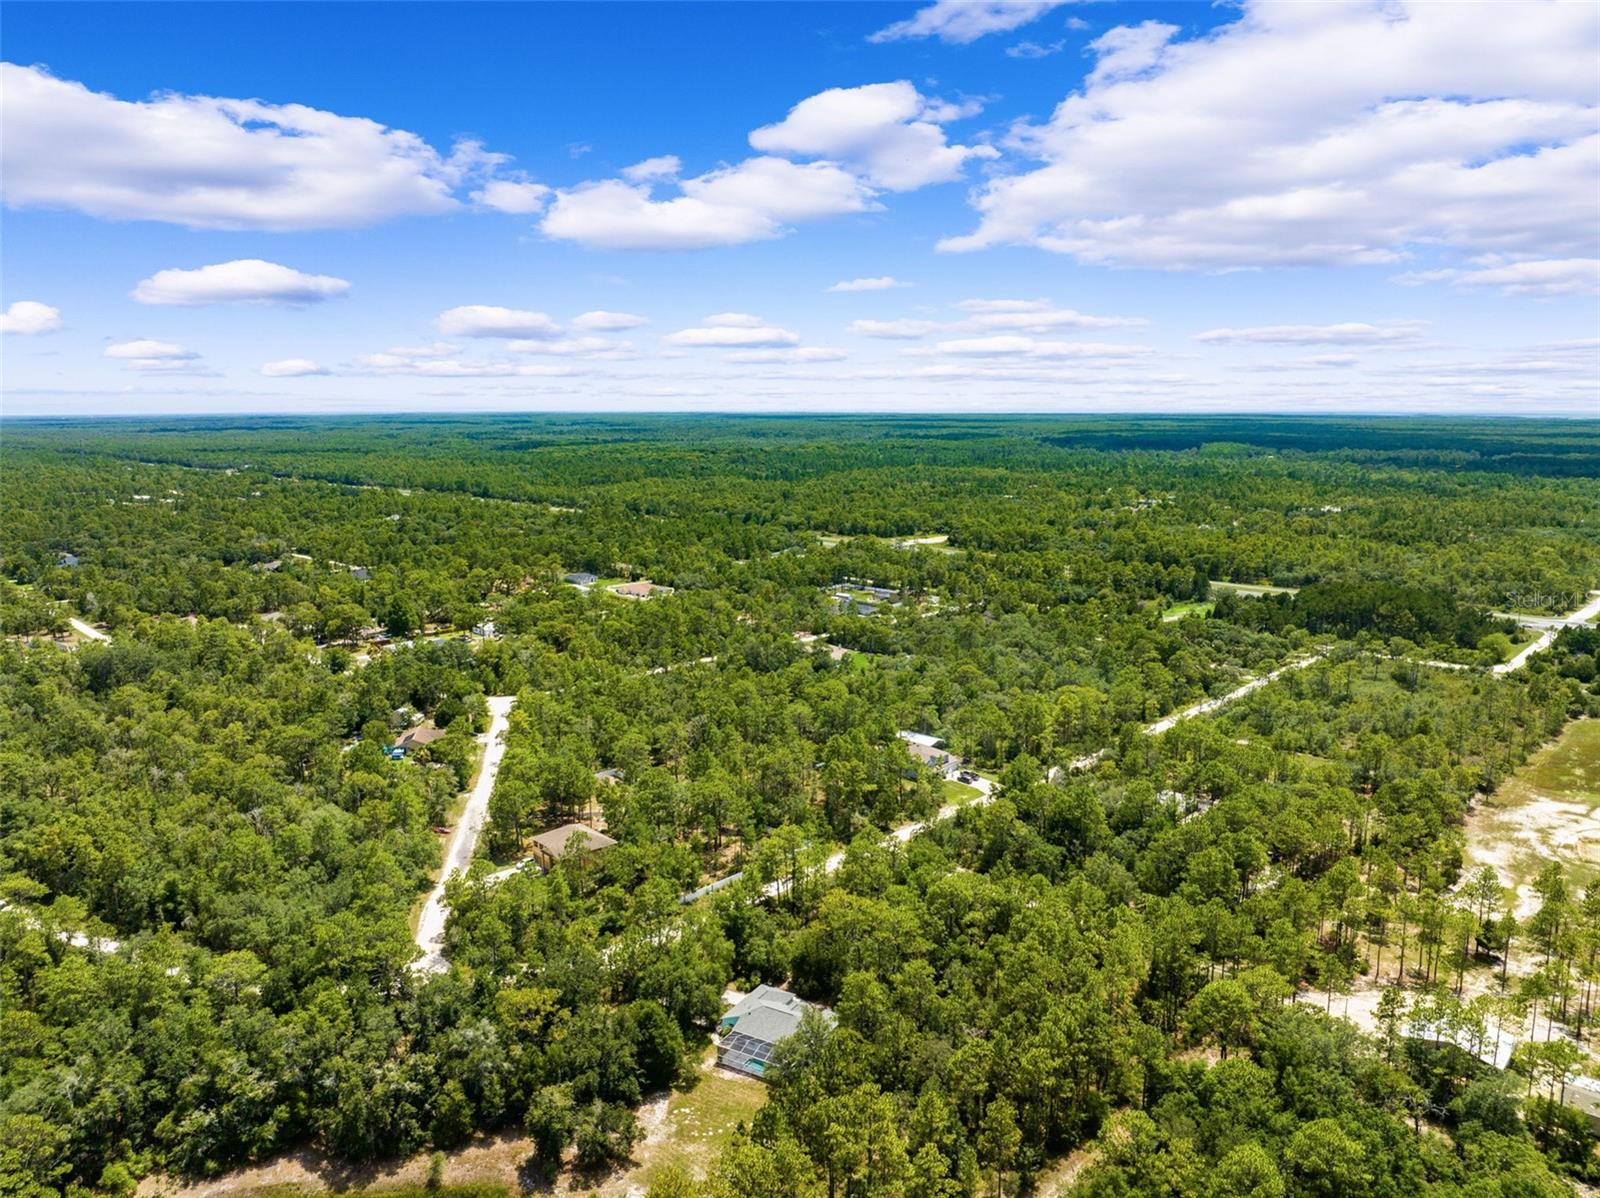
point(1571, 767)
point(698, 1124)
point(1194, 608)
point(1252, 588)
point(957, 792)
point(1544, 812)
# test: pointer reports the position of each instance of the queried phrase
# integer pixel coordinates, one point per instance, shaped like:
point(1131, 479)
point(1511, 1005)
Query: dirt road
point(464, 840)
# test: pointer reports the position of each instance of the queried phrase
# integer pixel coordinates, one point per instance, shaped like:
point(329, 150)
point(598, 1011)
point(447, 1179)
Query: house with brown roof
point(415, 738)
point(576, 840)
point(643, 589)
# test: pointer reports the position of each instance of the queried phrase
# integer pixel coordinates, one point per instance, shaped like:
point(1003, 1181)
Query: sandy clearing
point(87, 630)
point(1549, 810)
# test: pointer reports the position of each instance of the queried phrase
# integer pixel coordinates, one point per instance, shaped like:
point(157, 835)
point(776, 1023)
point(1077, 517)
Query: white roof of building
point(920, 738)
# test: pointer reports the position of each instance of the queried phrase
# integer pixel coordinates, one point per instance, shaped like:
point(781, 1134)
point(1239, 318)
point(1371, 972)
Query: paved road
point(464, 840)
point(1575, 619)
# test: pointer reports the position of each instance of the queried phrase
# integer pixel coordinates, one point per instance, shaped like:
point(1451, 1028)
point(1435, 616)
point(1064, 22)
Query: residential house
point(580, 578)
point(930, 751)
point(415, 738)
point(757, 1024)
point(643, 589)
point(569, 840)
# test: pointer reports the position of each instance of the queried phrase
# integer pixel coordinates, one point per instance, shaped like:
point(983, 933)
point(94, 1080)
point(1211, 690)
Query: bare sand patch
point(1549, 810)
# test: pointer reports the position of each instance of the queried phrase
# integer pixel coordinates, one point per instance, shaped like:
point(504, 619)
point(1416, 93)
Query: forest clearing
point(1546, 811)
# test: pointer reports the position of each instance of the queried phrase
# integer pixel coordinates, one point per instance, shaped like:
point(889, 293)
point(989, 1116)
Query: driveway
point(464, 840)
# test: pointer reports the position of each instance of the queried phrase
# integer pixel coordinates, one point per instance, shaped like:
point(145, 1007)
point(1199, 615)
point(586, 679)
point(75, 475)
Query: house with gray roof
point(757, 1024)
point(931, 752)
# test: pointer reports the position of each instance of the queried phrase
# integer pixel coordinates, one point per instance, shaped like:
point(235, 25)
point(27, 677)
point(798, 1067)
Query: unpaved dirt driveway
point(464, 840)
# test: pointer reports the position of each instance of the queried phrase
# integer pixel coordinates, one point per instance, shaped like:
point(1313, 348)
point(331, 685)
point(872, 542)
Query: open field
point(695, 1127)
point(1252, 588)
point(1544, 812)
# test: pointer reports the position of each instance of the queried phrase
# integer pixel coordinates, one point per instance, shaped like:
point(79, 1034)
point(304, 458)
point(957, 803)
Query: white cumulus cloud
point(429, 365)
point(593, 348)
point(1035, 49)
point(607, 322)
point(879, 283)
point(1545, 276)
point(481, 320)
point(245, 281)
point(889, 132)
point(1036, 316)
point(292, 368)
point(1348, 333)
point(804, 354)
point(732, 205)
point(964, 21)
point(663, 166)
point(145, 349)
point(216, 163)
point(732, 330)
point(1309, 134)
point(1005, 345)
point(519, 197)
point(884, 136)
point(895, 330)
point(147, 356)
point(29, 318)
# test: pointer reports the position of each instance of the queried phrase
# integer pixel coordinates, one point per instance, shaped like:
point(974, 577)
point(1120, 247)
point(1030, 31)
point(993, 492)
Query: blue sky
point(590, 206)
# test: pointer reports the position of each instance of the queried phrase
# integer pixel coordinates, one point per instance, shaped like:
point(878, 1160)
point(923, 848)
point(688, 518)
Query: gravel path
point(464, 840)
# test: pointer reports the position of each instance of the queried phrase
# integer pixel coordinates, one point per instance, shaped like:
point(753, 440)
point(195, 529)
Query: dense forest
point(1121, 942)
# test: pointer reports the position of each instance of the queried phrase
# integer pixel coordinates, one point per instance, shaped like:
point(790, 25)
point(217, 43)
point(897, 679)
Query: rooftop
point(417, 737)
point(769, 1014)
point(557, 841)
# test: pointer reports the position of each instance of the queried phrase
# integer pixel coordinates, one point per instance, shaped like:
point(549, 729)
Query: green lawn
point(952, 791)
point(1568, 770)
point(1252, 588)
point(700, 1123)
point(1193, 608)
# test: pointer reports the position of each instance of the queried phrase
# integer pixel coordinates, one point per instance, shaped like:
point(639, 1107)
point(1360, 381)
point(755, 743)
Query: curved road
point(464, 840)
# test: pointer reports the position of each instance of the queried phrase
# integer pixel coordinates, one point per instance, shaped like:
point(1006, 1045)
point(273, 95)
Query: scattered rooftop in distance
point(643, 589)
